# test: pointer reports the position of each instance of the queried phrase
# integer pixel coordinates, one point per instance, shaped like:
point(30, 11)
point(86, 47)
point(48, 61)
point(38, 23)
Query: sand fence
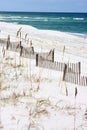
point(71, 71)
point(27, 52)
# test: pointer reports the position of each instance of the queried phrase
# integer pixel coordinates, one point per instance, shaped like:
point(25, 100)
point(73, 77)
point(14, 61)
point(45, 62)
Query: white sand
point(31, 97)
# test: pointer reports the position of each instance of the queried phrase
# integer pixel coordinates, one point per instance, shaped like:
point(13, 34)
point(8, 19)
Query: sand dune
point(33, 98)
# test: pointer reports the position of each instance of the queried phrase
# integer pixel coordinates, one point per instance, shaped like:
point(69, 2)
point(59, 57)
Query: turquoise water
point(65, 22)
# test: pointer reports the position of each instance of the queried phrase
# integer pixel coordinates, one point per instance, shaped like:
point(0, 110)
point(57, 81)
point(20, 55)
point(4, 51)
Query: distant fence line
point(58, 66)
point(83, 81)
point(71, 71)
point(76, 79)
point(27, 52)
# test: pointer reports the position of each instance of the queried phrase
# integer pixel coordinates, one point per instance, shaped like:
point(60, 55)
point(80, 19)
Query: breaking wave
point(78, 18)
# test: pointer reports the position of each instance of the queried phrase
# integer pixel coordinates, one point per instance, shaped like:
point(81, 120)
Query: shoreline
point(83, 35)
point(45, 38)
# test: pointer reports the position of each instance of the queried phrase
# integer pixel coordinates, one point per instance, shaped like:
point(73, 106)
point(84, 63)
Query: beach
point(35, 98)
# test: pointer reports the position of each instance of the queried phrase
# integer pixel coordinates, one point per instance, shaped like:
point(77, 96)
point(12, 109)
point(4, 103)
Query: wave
point(55, 18)
point(10, 17)
point(14, 17)
point(63, 17)
point(25, 17)
point(34, 19)
point(38, 17)
point(78, 18)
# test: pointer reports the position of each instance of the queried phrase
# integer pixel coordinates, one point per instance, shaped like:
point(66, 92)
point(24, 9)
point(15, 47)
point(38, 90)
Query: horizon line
point(39, 12)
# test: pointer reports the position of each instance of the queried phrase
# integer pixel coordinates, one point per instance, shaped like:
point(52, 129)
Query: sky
point(44, 5)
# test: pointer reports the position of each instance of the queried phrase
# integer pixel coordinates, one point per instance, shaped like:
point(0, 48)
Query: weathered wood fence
point(71, 71)
point(27, 52)
point(76, 79)
point(58, 66)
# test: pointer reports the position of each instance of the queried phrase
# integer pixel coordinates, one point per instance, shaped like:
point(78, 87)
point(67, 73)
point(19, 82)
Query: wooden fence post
point(8, 42)
point(53, 55)
point(20, 35)
point(21, 49)
point(79, 65)
point(32, 50)
point(64, 72)
point(86, 81)
point(36, 59)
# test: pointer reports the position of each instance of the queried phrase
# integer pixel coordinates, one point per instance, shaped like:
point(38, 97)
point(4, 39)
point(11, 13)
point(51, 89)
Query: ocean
point(65, 22)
